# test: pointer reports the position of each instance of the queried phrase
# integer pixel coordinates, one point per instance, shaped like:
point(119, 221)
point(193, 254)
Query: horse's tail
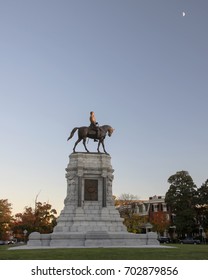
point(72, 133)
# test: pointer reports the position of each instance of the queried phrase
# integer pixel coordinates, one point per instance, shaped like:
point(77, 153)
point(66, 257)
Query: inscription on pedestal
point(91, 190)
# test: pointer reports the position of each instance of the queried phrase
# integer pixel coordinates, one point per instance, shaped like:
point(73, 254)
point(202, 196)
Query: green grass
point(178, 252)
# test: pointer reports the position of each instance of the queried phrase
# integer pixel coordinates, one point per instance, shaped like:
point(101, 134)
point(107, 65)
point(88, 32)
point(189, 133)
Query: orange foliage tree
point(41, 219)
point(160, 222)
point(5, 219)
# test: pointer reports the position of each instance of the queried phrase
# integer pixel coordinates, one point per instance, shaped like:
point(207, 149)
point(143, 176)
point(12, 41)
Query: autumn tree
point(42, 219)
point(182, 197)
point(5, 218)
point(135, 223)
point(160, 222)
point(126, 204)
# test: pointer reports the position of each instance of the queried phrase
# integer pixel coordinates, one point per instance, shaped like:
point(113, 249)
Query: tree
point(182, 198)
point(135, 223)
point(126, 204)
point(127, 197)
point(203, 194)
point(5, 219)
point(202, 205)
point(160, 222)
point(42, 219)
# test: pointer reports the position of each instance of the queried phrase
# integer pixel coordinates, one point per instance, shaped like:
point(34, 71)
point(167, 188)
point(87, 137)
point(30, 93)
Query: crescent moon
point(183, 14)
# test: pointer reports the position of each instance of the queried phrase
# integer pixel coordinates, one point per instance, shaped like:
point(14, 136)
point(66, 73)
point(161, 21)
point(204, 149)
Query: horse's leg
point(84, 143)
point(76, 144)
point(103, 146)
point(98, 147)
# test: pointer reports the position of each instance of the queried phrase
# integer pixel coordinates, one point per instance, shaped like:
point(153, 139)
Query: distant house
point(140, 207)
point(157, 205)
point(154, 209)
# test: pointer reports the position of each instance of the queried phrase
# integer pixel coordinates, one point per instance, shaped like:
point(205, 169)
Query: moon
point(183, 14)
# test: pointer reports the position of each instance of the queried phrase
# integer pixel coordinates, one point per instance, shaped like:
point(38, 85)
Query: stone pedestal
point(89, 218)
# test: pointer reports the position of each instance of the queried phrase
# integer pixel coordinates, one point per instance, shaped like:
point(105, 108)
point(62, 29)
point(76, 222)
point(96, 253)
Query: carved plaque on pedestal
point(91, 190)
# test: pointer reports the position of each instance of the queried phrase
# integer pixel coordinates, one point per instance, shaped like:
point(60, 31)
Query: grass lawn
point(178, 252)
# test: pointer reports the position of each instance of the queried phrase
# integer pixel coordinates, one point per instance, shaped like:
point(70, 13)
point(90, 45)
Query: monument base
point(89, 217)
point(91, 239)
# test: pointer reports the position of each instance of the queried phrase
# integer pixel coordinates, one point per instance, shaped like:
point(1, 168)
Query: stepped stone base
point(89, 218)
point(91, 239)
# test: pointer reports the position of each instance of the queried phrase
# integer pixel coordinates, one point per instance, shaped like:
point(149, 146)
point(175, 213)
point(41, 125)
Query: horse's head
point(110, 131)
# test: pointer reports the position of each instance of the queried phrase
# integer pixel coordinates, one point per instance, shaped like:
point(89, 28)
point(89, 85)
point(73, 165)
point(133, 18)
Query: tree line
point(188, 206)
point(41, 218)
point(186, 203)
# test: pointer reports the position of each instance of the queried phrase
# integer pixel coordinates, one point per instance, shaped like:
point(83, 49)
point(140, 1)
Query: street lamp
point(202, 234)
point(25, 234)
point(173, 232)
point(148, 227)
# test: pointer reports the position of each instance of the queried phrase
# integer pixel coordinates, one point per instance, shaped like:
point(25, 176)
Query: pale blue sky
point(139, 64)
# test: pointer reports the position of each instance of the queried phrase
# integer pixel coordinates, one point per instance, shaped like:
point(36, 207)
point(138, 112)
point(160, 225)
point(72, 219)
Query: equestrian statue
point(94, 131)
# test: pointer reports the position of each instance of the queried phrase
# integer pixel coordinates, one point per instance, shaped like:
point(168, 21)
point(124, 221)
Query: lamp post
point(202, 234)
point(25, 235)
point(148, 227)
point(173, 232)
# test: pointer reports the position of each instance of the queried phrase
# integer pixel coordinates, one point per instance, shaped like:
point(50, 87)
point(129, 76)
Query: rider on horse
point(93, 124)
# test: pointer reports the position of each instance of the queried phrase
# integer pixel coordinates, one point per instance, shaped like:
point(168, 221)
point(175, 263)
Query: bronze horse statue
point(85, 132)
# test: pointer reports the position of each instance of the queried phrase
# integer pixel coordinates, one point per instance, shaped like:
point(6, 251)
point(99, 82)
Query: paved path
point(25, 247)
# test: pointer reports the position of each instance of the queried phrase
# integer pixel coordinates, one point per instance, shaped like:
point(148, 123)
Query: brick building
point(155, 209)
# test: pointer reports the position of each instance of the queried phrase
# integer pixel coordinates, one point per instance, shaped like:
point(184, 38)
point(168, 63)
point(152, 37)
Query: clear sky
point(140, 65)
